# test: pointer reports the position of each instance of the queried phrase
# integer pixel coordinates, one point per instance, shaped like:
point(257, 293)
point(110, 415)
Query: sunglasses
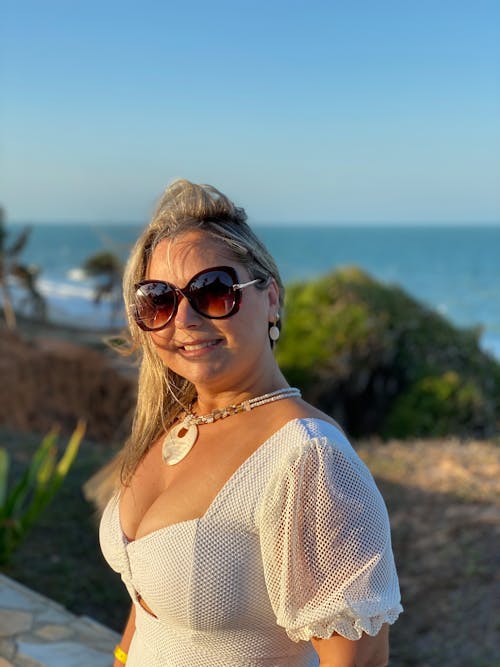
point(213, 293)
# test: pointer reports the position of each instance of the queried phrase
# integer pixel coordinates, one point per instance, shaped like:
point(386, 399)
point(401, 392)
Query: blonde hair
point(184, 207)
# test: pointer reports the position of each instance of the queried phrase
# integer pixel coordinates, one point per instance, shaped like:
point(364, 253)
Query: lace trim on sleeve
point(349, 626)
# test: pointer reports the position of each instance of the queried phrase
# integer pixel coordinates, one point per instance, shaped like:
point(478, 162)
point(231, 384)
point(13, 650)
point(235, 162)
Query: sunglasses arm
point(251, 282)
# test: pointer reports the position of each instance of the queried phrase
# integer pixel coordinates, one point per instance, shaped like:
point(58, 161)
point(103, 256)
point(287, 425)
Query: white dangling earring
point(274, 332)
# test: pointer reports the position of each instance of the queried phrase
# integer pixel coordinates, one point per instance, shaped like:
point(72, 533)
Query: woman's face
point(230, 355)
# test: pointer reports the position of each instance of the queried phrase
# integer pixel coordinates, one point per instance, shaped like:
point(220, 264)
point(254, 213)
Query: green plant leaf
point(44, 493)
point(24, 487)
point(71, 449)
point(36, 488)
point(46, 468)
point(4, 477)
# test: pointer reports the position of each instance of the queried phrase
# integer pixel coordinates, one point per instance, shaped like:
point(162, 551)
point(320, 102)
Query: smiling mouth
point(194, 347)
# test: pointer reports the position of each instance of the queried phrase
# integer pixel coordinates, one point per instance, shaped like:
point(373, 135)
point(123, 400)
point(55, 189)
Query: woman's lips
point(201, 345)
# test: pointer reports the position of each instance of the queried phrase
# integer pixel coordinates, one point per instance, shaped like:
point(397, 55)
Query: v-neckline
point(220, 493)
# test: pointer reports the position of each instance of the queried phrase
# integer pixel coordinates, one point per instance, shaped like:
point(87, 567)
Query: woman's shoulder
point(305, 423)
point(307, 430)
point(306, 441)
point(315, 466)
point(311, 440)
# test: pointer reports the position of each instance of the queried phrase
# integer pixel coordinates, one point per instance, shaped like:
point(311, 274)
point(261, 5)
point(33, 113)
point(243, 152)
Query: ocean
point(453, 269)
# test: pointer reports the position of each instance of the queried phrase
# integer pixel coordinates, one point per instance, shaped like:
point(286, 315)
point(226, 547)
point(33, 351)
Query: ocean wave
point(69, 302)
point(77, 274)
point(51, 288)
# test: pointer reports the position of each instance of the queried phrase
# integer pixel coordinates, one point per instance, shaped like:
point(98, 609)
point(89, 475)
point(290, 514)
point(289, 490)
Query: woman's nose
point(186, 316)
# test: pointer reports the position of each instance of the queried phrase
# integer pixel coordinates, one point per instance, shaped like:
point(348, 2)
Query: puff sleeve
point(326, 545)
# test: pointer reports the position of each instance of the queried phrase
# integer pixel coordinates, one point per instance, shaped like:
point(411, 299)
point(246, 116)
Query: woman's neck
point(209, 399)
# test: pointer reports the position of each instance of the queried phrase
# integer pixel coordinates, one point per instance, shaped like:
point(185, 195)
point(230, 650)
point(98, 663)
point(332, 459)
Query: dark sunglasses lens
point(212, 294)
point(154, 305)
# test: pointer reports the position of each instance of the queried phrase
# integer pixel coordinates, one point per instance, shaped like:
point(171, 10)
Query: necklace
point(181, 438)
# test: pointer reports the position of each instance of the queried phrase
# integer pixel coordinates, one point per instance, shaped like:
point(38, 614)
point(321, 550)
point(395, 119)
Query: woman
point(246, 529)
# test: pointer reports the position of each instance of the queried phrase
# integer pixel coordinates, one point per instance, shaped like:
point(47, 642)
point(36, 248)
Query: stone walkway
point(37, 632)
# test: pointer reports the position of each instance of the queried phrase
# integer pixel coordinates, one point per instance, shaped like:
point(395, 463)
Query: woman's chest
point(201, 575)
point(161, 495)
point(204, 569)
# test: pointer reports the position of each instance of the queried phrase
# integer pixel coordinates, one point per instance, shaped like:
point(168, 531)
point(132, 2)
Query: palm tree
point(107, 269)
point(27, 276)
point(11, 267)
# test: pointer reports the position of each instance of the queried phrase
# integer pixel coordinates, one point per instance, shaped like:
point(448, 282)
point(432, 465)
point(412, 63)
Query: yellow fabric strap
point(120, 654)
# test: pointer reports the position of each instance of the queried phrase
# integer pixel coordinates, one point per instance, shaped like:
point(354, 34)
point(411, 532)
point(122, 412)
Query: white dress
point(295, 545)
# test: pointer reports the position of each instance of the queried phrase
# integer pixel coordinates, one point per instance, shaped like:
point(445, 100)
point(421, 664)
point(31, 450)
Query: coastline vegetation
point(106, 268)
point(383, 363)
point(26, 276)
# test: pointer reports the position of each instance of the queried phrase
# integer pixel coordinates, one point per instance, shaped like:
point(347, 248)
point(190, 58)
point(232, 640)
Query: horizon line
point(278, 223)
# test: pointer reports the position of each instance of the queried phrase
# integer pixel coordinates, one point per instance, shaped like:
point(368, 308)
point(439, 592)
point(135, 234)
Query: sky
point(331, 111)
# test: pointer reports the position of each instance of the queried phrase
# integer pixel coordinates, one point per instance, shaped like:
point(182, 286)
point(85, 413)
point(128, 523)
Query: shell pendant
point(178, 443)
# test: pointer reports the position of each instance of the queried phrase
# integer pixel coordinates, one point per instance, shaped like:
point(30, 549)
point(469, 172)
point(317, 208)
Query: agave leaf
point(45, 492)
point(4, 476)
point(22, 490)
point(39, 483)
point(71, 449)
point(67, 458)
point(46, 468)
point(11, 533)
point(45, 451)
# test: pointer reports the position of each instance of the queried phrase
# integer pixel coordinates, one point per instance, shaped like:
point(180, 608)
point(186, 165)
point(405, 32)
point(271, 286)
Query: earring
point(274, 332)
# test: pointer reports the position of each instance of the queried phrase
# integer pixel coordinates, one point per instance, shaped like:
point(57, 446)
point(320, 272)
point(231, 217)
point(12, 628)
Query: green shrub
point(356, 347)
point(436, 406)
point(21, 505)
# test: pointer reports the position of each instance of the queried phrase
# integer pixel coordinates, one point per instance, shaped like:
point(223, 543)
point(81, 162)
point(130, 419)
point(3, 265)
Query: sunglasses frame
point(179, 292)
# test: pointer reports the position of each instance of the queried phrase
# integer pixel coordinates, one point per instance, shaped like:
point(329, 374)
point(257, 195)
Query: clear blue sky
point(348, 110)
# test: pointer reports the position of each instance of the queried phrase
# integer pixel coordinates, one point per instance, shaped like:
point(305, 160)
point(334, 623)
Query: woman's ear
point(273, 295)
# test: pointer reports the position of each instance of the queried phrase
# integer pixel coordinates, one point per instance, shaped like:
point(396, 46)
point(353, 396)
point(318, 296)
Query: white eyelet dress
point(295, 545)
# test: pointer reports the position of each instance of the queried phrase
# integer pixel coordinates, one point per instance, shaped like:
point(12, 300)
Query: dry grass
point(468, 470)
point(444, 502)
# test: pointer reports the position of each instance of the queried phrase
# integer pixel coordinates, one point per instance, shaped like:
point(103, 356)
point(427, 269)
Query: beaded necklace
point(181, 438)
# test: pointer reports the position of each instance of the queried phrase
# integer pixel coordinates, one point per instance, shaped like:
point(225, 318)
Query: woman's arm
point(337, 651)
point(128, 633)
